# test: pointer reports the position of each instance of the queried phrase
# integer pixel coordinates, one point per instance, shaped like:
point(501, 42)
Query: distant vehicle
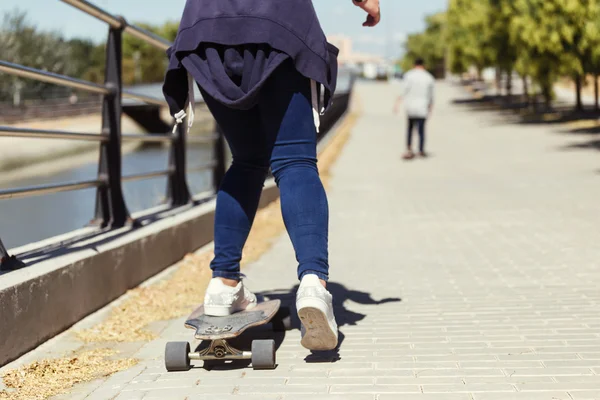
point(370, 71)
point(382, 72)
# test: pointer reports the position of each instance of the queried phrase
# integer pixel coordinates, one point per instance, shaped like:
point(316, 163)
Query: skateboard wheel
point(263, 354)
point(177, 356)
point(282, 321)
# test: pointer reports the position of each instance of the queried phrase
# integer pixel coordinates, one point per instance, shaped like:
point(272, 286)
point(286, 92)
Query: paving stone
point(465, 276)
point(523, 396)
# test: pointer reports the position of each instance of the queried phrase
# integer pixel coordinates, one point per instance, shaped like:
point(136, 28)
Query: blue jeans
point(420, 122)
point(279, 132)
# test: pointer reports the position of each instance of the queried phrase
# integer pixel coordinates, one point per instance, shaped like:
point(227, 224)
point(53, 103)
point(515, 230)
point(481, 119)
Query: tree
point(428, 45)
point(593, 65)
point(143, 62)
point(503, 52)
point(553, 35)
point(21, 43)
point(468, 36)
point(586, 43)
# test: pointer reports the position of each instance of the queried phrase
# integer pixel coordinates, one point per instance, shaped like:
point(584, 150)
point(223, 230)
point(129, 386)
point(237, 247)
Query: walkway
point(472, 275)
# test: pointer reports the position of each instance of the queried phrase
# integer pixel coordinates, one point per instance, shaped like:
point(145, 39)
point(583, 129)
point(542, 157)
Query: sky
point(399, 18)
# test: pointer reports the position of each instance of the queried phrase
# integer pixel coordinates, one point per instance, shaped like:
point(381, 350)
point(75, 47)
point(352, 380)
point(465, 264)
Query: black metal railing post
point(7, 262)
point(110, 204)
point(178, 192)
point(219, 156)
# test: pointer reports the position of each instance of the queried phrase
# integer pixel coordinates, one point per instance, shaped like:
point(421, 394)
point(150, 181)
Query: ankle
point(229, 282)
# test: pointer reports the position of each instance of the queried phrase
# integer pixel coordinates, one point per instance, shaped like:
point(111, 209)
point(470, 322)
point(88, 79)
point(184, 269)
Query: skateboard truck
point(178, 355)
point(218, 330)
point(220, 349)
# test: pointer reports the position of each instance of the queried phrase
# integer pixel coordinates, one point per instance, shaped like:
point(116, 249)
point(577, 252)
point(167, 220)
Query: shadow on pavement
point(288, 305)
point(592, 144)
point(517, 111)
point(343, 315)
point(524, 112)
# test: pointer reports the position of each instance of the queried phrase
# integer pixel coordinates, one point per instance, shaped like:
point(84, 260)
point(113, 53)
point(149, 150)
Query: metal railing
point(111, 210)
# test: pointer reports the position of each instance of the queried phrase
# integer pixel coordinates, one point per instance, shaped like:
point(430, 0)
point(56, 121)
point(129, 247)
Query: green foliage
point(469, 35)
point(541, 39)
point(555, 37)
point(427, 45)
point(143, 62)
point(22, 43)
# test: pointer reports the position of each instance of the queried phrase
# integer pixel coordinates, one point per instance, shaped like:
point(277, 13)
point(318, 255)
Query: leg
point(287, 116)
point(239, 194)
point(409, 134)
point(409, 154)
point(421, 127)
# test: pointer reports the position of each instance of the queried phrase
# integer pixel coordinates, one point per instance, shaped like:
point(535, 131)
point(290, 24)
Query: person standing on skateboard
point(418, 102)
point(260, 66)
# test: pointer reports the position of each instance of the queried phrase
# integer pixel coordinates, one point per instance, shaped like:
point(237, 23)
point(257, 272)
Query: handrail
point(148, 37)
point(157, 138)
point(95, 11)
point(50, 77)
point(111, 209)
point(6, 131)
point(144, 98)
point(148, 175)
point(202, 139)
point(49, 189)
point(119, 22)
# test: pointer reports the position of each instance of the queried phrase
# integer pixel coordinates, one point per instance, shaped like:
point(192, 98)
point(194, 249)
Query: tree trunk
point(596, 106)
point(526, 89)
point(547, 93)
point(509, 83)
point(579, 104)
point(498, 81)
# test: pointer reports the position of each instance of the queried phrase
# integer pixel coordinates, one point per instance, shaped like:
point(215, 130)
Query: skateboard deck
point(215, 328)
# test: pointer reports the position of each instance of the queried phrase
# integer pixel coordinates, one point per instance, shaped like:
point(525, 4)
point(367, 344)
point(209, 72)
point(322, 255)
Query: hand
point(396, 105)
point(372, 8)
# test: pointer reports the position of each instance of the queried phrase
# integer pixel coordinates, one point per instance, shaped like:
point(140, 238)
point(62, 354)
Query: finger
point(376, 19)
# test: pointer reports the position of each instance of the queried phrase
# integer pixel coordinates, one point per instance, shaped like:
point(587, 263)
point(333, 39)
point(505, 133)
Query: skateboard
point(218, 330)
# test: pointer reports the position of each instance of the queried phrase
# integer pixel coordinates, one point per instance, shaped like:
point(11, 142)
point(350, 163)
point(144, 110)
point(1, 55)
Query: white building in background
point(348, 56)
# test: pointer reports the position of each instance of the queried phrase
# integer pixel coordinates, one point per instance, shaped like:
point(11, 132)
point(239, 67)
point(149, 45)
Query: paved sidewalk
point(472, 275)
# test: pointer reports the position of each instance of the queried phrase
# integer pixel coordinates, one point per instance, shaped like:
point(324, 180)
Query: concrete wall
point(68, 282)
point(69, 277)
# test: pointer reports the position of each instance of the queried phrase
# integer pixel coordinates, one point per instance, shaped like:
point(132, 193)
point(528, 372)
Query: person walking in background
point(417, 94)
point(260, 66)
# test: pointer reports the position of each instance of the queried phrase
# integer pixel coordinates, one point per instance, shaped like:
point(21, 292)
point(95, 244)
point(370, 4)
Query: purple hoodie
point(221, 39)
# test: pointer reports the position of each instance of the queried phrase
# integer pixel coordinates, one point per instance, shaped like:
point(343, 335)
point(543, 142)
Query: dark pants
point(420, 123)
point(279, 132)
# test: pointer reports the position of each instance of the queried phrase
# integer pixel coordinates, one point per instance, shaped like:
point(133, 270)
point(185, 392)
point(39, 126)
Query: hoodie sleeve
point(175, 87)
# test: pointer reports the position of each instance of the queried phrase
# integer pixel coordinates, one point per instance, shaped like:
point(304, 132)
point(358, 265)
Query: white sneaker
point(315, 309)
point(221, 300)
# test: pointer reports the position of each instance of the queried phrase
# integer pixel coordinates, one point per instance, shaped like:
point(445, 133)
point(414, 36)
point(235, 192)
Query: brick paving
point(472, 275)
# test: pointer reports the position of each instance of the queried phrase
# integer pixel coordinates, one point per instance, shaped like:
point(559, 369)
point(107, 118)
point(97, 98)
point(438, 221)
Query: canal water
point(31, 219)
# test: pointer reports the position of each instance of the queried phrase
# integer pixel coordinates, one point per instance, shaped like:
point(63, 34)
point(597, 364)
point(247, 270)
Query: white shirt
point(418, 92)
